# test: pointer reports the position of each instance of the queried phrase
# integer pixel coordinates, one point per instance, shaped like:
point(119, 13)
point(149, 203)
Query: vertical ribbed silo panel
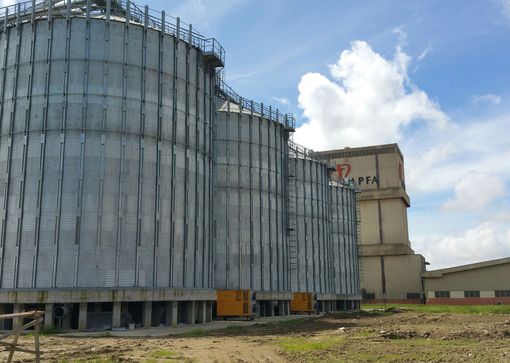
point(25, 215)
point(270, 217)
point(233, 192)
point(255, 200)
point(355, 268)
point(301, 225)
point(339, 235)
point(166, 178)
point(181, 174)
point(9, 221)
point(165, 217)
point(349, 242)
point(343, 241)
point(191, 204)
point(219, 202)
point(244, 189)
point(265, 207)
point(4, 36)
point(335, 239)
point(323, 258)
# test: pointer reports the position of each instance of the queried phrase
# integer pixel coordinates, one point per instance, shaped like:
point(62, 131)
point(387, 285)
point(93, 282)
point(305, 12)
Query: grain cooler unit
point(105, 156)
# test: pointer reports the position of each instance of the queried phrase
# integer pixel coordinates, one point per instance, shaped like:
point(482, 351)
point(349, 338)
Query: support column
point(175, 312)
point(147, 314)
point(117, 306)
point(2, 311)
point(191, 312)
point(48, 316)
point(82, 316)
point(271, 306)
point(287, 307)
point(203, 312)
point(209, 313)
point(17, 322)
point(281, 309)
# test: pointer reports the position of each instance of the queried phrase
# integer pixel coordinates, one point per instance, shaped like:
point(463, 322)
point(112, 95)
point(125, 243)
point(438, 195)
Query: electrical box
point(235, 303)
point(302, 302)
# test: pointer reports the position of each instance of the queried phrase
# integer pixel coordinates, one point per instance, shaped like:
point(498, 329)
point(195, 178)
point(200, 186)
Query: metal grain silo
point(308, 234)
point(105, 153)
point(249, 204)
point(344, 239)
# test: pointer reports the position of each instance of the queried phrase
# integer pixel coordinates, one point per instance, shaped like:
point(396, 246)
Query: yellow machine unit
point(302, 302)
point(235, 303)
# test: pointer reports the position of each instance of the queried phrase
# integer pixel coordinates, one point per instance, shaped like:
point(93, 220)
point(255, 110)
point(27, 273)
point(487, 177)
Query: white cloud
point(204, 14)
point(437, 160)
point(475, 191)
point(490, 99)
point(425, 52)
point(282, 100)
point(484, 242)
point(369, 100)
point(402, 36)
point(7, 3)
point(505, 6)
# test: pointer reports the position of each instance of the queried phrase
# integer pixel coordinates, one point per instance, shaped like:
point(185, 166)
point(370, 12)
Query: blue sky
point(432, 75)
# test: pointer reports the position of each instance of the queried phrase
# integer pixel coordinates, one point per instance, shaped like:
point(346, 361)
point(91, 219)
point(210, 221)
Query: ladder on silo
point(291, 211)
point(291, 220)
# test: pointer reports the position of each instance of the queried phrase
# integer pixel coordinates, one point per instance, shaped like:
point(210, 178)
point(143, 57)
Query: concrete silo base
point(97, 309)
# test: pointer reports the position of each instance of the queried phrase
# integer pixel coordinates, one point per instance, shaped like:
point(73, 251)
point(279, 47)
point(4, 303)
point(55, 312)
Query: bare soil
point(398, 336)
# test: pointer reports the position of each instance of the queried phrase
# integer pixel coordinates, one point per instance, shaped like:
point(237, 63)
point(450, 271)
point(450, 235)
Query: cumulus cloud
point(490, 99)
point(475, 191)
point(368, 100)
point(437, 160)
point(484, 242)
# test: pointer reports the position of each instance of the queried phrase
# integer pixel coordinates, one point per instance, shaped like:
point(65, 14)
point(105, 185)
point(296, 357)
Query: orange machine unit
point(302, 302)
point(232, 303)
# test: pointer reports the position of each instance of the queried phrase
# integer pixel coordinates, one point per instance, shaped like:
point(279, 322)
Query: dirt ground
point(398, 336)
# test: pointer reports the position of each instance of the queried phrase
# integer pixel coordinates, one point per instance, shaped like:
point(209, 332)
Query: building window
point(472, 293)
point(442, 293)
point(368, 296)
point(413, 296)
point(502, 293)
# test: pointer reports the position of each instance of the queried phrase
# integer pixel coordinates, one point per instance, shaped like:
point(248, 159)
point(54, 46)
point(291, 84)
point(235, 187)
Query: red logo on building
point(343, 170)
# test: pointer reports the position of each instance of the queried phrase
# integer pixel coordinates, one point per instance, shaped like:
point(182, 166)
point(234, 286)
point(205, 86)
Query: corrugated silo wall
point(313, 268)
point(344, 240)
point(249, 219)
point(104, 157)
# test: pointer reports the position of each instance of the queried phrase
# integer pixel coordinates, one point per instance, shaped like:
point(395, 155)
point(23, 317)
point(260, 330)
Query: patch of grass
point(89, 360)
point(363, 334)
point(454, 309)
point(164, 354)
point(305, 344)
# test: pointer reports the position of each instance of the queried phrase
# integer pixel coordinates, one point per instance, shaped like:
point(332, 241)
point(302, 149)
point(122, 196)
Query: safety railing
point(301, 150)
point(226, 92)
point(121, 8)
